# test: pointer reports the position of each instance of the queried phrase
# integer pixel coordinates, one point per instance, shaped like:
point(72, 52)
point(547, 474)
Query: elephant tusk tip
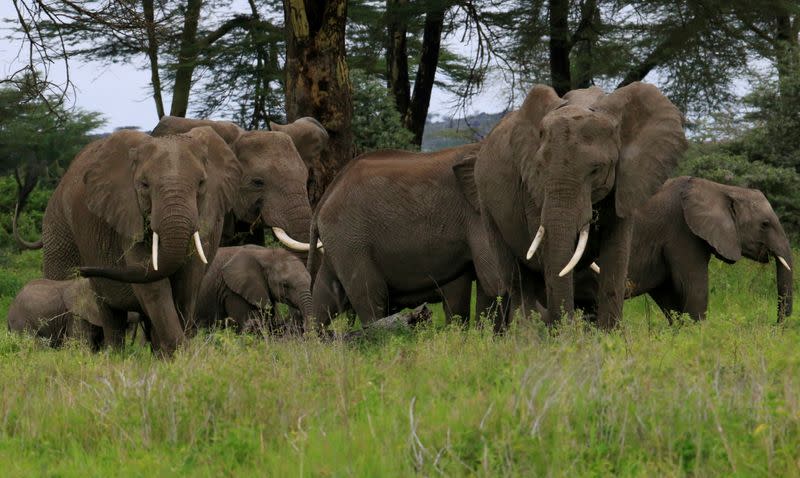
point(785, 264)
point(595, 267)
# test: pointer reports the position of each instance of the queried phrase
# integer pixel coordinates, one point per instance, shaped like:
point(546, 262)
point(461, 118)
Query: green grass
point(719, 398)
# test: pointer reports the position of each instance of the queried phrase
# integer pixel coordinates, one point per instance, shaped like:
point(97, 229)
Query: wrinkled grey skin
point(274, 174)
point(679, 229)
point(400, 229)
point(115, 194)
point(308, 135)
point(243, 281)
point(55, 310)
point(586, 160)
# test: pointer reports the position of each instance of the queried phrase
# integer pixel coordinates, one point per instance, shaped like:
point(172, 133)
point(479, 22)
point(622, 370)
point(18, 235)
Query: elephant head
point(738, 222)
point(274, 176)
point(273, 186)
point(308, 135)
point(173, 191)
point(260, 275)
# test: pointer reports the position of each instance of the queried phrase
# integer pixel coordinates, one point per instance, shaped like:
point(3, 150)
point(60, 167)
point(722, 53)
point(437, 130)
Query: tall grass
point(716, 398)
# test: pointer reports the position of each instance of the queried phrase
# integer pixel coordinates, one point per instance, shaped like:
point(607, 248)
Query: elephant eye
point(202, 184)
point(764, 224)
point(144, 185)
point(257, 182)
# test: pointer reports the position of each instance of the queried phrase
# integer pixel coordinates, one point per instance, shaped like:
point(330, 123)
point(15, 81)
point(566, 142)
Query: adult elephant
point(558, 167)
point(397, 228)
point(132, 208)
point(274, 176)
point(246, 282)
point(681, 227)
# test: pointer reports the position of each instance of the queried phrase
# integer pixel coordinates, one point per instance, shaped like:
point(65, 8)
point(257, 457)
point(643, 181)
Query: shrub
point(376, 122)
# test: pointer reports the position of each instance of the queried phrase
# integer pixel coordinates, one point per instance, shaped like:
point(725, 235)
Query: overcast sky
point(121, 92)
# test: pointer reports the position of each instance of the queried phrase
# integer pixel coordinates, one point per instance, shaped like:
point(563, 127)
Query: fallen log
point(400, 321)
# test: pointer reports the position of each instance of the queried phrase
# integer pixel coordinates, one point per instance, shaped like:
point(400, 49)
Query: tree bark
point(560, 77)
point(187, 54)
point(152, 54)
point(318, 81)
point(397, 54)
point(786, 53)
point(583, 42)
point(426, 72)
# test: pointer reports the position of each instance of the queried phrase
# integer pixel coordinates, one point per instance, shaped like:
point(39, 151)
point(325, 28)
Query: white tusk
point(785, 264)
point(595, 267)
point(199, 246)
point(583, 238)
point(155, 251)
point(291, 243)
point(535, 244)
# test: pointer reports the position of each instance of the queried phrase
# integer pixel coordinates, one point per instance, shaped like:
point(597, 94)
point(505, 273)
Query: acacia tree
point(318, 82)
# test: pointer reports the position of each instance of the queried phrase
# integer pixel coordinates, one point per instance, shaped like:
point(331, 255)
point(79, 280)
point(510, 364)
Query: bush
point(376, 122)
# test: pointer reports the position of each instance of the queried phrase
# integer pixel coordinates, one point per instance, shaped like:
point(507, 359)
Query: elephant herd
point(565, 204)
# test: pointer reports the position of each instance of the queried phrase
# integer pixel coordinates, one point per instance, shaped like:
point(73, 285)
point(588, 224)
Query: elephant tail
point(22, 243)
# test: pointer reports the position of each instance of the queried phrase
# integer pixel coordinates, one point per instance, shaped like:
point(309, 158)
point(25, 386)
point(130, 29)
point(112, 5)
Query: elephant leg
point(495, 268)
point(239, 310)
point(184, 290)
point(115, 326)
point(668, 300)
point(367, 291)
point(613, 262)
point(694, 291)
point(327, 297)
point(524, 298)
point(456, 298)
point(156, 300)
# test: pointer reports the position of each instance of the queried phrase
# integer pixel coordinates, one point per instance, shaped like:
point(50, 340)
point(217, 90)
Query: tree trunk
point(583, 41)
point(426, 72)
point(559, 46)
point(186, 59)
point(397, 54)
point(786, 53)
point(318, 82)
point(152, 54)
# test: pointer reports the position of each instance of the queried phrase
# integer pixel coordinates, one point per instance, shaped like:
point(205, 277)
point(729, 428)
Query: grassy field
point(719, 398)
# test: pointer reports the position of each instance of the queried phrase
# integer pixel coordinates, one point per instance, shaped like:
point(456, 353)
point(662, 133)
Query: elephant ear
point(223, 171)
point(108, 181)
point(243, 275)
point(651, 142)
point(464, 169)
point(709, 212)
point(80, 299)
point(308, 135)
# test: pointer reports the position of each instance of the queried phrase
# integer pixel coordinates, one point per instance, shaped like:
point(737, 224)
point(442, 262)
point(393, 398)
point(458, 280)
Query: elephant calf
point(680, 227)
point(55, 309)
point(244, 282)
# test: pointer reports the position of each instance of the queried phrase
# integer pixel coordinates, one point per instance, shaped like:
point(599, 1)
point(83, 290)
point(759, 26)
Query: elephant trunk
point(784, 282)
point(172, 234)
point(305, 305)
point(565, 237)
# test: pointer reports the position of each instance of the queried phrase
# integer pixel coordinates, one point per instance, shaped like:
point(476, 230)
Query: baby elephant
point(680, 227)
point(55, 309)
point(245, 283)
